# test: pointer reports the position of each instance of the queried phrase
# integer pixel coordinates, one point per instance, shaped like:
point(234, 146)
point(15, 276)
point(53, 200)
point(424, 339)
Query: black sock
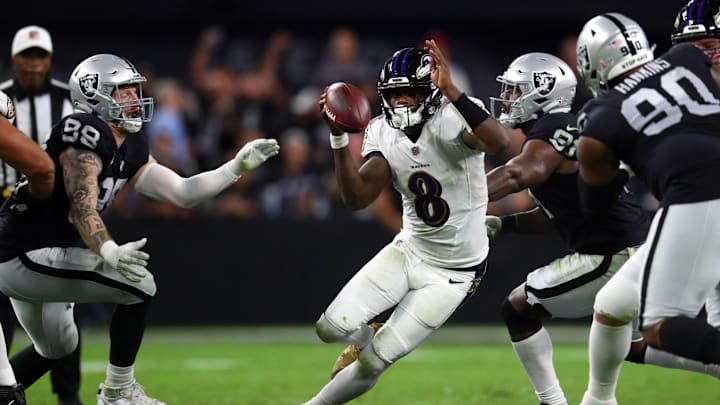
point(691, 338)
point(65, 376)
point(29, 365)
point(126, 332)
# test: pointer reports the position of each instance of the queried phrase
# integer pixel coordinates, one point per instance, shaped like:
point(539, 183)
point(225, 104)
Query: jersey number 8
point(432, 209)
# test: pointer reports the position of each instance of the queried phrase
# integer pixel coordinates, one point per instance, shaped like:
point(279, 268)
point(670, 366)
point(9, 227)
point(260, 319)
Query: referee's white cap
point(31, 36)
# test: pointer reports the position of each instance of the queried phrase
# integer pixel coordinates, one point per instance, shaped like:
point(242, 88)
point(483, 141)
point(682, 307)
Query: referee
point(39, 103)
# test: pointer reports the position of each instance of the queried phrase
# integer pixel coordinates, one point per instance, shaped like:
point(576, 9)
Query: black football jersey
point(624, 224)
point(663, 120)
point(49, 224)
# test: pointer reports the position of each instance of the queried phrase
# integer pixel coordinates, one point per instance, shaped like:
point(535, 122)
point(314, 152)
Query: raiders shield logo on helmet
point(544, 82)
point(89, 84)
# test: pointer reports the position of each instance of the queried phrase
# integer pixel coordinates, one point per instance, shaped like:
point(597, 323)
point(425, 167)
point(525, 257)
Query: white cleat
point(132, 394)
point(589, 400)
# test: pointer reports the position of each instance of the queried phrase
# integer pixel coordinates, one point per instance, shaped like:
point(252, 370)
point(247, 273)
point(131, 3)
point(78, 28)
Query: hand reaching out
point(440, 75)
point(254, 153)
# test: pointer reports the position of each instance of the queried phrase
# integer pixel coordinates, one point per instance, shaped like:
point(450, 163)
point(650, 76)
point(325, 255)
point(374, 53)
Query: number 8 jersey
point(663, 120)
point(22, 230)
point(443, 187)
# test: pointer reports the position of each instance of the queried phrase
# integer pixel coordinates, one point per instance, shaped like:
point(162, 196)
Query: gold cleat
point(350, 354)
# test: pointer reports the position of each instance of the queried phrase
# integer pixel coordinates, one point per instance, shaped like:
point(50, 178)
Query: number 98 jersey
point(443, 187)
point(50, 225)
point(662, 120)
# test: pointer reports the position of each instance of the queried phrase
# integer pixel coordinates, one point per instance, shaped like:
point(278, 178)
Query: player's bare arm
point(598, 164)
point(489, 135)
point(358, 187)
point(22, 153)
point(80, 171)
point(533, 221)
point(537, 161)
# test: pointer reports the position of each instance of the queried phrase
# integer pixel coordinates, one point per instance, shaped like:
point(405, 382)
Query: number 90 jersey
point(443, 187)
point(50, 225)
point(663, 120)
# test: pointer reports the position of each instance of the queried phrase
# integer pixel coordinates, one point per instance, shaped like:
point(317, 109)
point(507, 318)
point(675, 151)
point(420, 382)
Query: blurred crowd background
point(223, 73)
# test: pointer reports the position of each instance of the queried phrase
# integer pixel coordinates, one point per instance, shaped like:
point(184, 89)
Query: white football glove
point(127, 259)
point(493, 225)
point(7, 107)
point(253, 154)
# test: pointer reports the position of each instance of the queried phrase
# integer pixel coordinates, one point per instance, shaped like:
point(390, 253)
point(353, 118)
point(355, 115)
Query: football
point(347, 106)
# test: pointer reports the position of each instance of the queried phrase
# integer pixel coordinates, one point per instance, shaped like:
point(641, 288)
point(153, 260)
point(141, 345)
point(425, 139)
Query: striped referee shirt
point(35, 115)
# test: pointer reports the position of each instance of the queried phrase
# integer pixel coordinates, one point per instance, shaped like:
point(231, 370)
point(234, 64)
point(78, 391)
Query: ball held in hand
point(347, 106)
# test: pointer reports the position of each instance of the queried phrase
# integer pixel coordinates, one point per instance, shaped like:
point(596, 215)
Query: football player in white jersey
point(432, 150)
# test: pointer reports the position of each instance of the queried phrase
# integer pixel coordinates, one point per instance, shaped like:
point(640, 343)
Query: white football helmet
point(93, 83)
point(534, 84)
point(608, 46)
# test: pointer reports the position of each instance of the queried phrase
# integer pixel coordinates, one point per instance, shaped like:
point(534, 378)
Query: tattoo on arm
point(81, 169)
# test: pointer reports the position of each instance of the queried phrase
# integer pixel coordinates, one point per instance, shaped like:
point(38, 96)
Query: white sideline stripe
point(198, 364)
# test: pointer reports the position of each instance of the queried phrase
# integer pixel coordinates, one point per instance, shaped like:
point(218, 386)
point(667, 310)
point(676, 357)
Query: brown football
point(347, 106)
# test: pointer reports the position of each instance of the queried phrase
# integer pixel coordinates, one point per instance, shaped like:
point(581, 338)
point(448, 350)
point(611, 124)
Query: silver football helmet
point(534, 84)
point(95, 80)
point(608, 46)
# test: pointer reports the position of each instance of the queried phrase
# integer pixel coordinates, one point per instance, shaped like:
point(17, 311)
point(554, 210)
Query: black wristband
point(473, 114)
point(509, 223)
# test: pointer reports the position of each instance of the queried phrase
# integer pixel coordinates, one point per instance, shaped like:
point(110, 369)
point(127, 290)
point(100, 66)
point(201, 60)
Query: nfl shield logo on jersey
point(415, 150)
point(89, 84)
point(544, 82)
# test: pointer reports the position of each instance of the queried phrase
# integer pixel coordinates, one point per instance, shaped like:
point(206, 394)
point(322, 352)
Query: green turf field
point(286, 365)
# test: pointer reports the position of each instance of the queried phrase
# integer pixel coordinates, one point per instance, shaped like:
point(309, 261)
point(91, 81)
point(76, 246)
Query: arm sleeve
point(160, 183)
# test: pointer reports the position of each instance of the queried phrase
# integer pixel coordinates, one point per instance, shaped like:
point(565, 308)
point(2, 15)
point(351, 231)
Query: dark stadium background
point(219, 271)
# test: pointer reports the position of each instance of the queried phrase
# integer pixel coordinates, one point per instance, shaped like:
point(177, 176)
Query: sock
point(536, 356)
point(664, 359)
point(691, 338)
point(355, 380)
point(117, 377)
point(7, 377)
point(607, 349)
point(29, 366)
point(346, 386)
point(127, 327)
point(65, 376)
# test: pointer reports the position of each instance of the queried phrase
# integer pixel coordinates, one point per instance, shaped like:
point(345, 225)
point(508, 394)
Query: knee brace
point(619, 300)
point(518, 322)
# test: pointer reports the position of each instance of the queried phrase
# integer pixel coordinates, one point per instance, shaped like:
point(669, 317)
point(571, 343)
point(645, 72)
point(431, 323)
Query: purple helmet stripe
point(690, 11)
point(698, 15)
point(396, 59)
point(403, 66)
point(393, 66)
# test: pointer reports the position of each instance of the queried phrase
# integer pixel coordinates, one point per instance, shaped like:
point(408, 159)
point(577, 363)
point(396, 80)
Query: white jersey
point(443, 186)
